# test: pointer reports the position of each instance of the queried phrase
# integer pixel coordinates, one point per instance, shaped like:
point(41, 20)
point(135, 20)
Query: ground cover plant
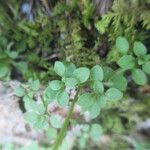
point(94, 55)
point(99, 93)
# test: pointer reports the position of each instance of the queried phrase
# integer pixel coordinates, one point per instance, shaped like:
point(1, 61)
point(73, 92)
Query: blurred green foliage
point(72, 30)
point(47, 30)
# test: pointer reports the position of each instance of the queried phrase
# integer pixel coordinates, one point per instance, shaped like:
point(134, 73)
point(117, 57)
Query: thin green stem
point(65, 125)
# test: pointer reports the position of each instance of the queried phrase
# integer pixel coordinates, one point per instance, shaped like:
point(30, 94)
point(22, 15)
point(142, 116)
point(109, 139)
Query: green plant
point(8, 59)
point(123, 18)
point(12, 62)
point(92, 94)
point(94, 88)
point(67, 32)
point(135, 59)
point(87, 12)
point(60, 34)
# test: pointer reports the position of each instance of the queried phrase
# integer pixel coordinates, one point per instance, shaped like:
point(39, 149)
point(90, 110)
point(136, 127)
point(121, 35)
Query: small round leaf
point(140, 61)
point(108, 73)
point(56, 121)
point(19, 91)
point(114, 94)
point(50, 94)
point(59, 68)
point(97, 73)
point(85, 100)
point(139, 49)
point(139, 77)
point(22, 66)
point(94, 110)
point(126, 62)
point(96, 132)
point(41, 123)
point(4, 70)
point(119, 81)
point(82, 74)
point(70, 82)
point(12, 54)
point(56, 85)
point(62, 98)
point(122, 45)
point(35, 85)
point(98, 87)
point(146, 67)
point(31, 117)
point(52, 133)
point(70, 67)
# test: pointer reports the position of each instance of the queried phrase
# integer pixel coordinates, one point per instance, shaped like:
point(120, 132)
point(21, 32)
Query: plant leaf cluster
point(8, 60)
point(70, 78)
point(122, 19)
point(135, 59)
point(97, 87)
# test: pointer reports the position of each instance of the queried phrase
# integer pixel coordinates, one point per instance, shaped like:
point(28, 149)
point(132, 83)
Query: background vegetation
point(36, 33)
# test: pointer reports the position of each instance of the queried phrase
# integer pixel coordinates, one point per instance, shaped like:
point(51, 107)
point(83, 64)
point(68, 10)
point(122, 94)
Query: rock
point(144, 127)
point(13, 127)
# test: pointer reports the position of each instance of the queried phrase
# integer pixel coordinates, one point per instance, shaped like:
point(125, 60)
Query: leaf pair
point(122, 46)
point(96, 77)
point(70, 74)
